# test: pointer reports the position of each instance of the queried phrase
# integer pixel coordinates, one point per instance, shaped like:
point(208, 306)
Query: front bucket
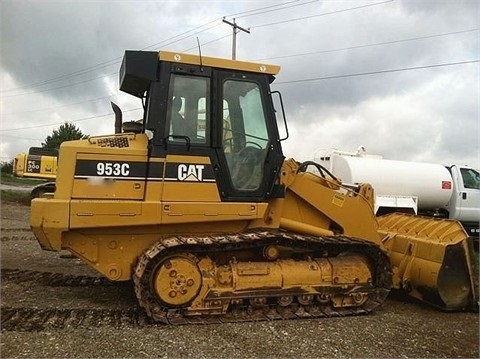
point(432, 260)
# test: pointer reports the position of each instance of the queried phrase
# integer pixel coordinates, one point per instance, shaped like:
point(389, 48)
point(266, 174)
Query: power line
point(60, 87)
point(65, 76)
point(61, 123)
point(277, 57)
point(282, 83)
point(250, 11)
point(165, 43)
point(178, 38)
point(367, 45)
point(318, 15)
point(269, 9)
point(57, 107)
point(246, 13)
point(208, 42)
point(269, 58)
point(96, 67)
point(376, 72)
point(22, 138)
point(89, 69)
point(55, 124)
point(117, 60)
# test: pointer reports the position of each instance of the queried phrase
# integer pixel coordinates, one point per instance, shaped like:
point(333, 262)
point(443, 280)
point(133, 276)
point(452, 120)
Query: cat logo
point(190, 172)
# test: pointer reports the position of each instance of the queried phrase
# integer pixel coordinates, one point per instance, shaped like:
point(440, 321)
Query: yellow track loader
point(199, 207)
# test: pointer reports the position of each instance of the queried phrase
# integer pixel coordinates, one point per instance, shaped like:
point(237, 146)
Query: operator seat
point(181, 126)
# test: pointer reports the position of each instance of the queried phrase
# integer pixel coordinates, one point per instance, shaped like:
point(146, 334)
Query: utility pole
point(235, 31)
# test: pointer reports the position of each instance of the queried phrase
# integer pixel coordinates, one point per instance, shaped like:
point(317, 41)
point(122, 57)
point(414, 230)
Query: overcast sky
point(398, 77)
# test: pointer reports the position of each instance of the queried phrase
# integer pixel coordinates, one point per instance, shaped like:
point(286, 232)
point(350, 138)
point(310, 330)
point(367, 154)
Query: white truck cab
point(464, 204)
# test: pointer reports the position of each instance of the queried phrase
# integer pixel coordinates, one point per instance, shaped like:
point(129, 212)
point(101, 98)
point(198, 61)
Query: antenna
point(200, 54)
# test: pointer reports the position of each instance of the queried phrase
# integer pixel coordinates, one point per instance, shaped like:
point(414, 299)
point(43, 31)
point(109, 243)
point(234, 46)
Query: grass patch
point(21, 197)
point(8, 178)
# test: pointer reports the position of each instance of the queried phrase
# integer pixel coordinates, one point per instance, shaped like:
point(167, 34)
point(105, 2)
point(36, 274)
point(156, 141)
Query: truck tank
point(430, 183)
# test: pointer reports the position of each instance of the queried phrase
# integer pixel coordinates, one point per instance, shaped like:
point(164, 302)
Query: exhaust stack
point(118, 118)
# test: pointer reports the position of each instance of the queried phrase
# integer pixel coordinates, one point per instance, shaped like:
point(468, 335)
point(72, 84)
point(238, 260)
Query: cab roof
point(218, 62)
point(140, 68)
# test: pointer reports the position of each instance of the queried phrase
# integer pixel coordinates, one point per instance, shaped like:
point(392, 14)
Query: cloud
point(60, 62)
point(415, 125)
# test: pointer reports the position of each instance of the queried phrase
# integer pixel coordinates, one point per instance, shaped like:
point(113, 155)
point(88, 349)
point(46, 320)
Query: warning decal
point(338, 200)
point(446, 185)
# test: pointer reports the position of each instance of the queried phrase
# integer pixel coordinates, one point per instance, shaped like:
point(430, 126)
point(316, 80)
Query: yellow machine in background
point(203, 212)
point(38, 163)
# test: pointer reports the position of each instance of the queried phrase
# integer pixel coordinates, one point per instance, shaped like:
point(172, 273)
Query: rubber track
point(253, 240)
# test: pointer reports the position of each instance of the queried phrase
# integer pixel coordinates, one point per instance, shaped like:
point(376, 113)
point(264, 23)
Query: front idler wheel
point(177, 280)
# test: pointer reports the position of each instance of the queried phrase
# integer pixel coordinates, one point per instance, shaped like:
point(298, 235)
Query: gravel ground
point(401, 328)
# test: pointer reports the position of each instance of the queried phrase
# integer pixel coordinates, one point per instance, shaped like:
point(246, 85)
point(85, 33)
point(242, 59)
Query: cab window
point(187, 110)
point(471, 178)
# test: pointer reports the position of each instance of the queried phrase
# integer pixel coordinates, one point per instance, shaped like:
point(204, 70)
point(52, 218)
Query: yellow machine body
point(205, 225)
point(38, 163)
point(433, 259)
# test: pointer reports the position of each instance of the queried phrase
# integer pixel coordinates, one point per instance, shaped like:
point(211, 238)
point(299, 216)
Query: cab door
point(189, 175)
point(247, 148)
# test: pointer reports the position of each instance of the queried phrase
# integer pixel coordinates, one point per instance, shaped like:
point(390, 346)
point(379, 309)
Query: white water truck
point(427, 189)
